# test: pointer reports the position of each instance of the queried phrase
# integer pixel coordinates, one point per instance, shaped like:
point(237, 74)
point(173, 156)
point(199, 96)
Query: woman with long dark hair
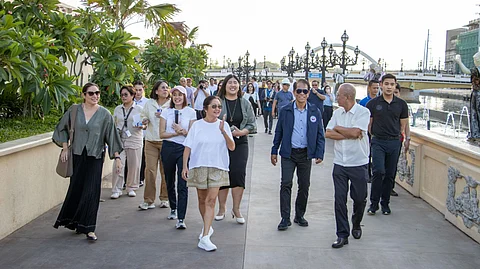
point(159, 101)
point(94, 127)
point(252, 97)
point(239, 115)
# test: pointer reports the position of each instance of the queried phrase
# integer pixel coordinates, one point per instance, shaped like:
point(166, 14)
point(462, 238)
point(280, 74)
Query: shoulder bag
point(65, 169)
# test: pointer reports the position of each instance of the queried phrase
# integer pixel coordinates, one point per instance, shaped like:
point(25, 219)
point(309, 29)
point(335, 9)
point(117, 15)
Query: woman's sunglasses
point(304, 91)
point(216, 106)
point(92, 93)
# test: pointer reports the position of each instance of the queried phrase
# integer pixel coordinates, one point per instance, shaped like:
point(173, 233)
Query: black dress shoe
point(357, 233)
point(301, 221)
point(340, 242)
point(284, 223)
point(393, 193)
point(372, 210)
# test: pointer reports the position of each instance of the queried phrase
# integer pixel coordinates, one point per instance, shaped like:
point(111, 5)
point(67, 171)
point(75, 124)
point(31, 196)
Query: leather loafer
point(340, 242)
point(284, 223)
point(301, 221)
point(357, 233)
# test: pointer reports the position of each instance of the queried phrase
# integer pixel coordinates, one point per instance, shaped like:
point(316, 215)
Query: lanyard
point(125, 118)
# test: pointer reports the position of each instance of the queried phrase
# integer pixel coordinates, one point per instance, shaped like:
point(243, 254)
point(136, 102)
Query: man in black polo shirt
point(388, 119)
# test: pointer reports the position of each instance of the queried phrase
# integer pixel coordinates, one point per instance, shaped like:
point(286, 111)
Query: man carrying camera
point(199, 96)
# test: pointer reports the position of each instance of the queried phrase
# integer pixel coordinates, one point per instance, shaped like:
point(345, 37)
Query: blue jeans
point(384, 161)
point(172, 159)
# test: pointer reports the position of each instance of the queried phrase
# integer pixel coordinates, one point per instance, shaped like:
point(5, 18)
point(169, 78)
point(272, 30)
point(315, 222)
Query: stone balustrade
point(445, 172)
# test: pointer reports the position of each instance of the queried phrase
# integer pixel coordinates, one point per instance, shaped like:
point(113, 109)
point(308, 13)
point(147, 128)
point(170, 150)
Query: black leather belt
point(299, 149)
point(387, 137)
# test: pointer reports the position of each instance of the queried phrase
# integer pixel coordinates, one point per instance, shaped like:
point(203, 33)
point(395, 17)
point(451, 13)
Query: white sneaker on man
point(132, 194)
point(145, 206)
point(115, 195)
point(206, 244)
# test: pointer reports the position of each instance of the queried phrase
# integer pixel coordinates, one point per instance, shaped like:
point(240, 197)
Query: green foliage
point(19, 127)
point(172, 63)
point(33, 39)
point(114, 62)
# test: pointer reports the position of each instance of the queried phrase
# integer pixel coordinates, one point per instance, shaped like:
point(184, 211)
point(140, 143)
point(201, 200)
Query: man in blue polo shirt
point(372, 92)
point(317, 96)
point(283, 97)
point(299, 131)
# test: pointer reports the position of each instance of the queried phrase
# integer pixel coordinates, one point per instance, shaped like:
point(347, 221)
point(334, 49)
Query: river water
point(431, 102)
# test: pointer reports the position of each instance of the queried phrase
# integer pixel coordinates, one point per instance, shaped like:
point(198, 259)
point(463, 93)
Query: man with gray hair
point(349, 127)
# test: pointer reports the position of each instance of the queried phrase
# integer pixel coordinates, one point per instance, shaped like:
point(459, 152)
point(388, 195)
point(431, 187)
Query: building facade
point(467, 44)
point(451, 49)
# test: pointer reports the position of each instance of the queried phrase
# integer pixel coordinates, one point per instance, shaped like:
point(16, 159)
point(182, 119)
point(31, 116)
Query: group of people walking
point(206, 147)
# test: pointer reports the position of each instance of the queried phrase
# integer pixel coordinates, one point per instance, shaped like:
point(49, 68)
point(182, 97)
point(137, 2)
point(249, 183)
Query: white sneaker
point(210, 232)
point(132, 194)
point(145, 206)
point(115, 195)
point(163, 204)
point(181, 224)
point(206, 244)
point(173, 214)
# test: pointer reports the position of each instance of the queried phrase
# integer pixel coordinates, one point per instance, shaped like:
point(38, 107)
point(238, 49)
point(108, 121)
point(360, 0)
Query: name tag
point(127, 133)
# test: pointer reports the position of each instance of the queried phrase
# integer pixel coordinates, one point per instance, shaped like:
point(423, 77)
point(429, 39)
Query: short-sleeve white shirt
point(185, 115)
point(199, 99)
point(351, 152)
point(208, 146)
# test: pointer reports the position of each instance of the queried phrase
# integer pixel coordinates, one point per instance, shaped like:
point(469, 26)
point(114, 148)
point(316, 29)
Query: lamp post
point(223, 62)
point(401, 66)
point(344, 58)
point(247, 67)
point(363, 64)
point(265, 69)
point(290, 67)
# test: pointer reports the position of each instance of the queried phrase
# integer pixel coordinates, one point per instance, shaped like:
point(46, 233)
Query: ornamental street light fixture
point(291, 67)
point(246, 68)
point(345, 59)
point(265, 69)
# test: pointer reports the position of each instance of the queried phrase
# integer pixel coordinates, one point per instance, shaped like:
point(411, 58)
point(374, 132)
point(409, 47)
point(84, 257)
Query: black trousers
point(384, 160)
point(80, 208)
point(358, 192)
point(172, 159)
point(298, 161)
point(327, 115)
point(268, 119)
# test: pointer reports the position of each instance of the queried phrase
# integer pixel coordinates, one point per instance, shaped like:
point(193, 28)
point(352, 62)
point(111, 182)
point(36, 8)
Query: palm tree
point(128, 12)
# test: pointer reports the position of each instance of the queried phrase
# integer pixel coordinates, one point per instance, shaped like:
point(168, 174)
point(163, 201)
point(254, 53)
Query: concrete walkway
point(414, 236)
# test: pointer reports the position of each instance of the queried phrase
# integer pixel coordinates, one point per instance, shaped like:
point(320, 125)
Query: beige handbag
point(65, 169)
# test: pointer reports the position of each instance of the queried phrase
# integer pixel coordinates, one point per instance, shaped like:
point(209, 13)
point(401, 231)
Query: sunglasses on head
point(92, 93)
point(304, 91)
point(216, 106)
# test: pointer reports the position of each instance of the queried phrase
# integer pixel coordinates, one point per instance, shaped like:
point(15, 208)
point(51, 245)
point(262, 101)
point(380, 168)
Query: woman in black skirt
point(94, 127)
point(241, 118)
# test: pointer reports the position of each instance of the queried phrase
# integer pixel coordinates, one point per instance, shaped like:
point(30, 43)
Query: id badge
point(127, 133)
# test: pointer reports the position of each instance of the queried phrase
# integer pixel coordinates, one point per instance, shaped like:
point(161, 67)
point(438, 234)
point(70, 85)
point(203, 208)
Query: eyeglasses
point(125, 94)
point(92, 93)
point(216, 106)
point(304, 91)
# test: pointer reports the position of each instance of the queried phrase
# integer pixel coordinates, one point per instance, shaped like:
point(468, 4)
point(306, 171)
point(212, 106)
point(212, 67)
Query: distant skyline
point(391, 30)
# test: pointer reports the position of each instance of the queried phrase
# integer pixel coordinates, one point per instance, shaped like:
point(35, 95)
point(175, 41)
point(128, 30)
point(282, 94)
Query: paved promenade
point(414, 236)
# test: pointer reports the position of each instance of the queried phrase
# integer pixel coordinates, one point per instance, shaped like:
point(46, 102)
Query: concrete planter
point(30, 186)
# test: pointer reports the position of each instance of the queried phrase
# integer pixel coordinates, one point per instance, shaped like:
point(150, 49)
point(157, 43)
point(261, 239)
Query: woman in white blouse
point(175, 122)
point(128, 123)
point(252, 97)
point(159, 101)
point(207, 146)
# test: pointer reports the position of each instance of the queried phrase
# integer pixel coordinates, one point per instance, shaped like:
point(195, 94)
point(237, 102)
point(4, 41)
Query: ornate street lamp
point(247, 67)
point(291, 66)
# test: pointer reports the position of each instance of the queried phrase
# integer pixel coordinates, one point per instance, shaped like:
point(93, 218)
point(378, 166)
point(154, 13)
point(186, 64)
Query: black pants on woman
point(238, 163)
point(172, 159)
point(80, 208)
point(327, 115)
